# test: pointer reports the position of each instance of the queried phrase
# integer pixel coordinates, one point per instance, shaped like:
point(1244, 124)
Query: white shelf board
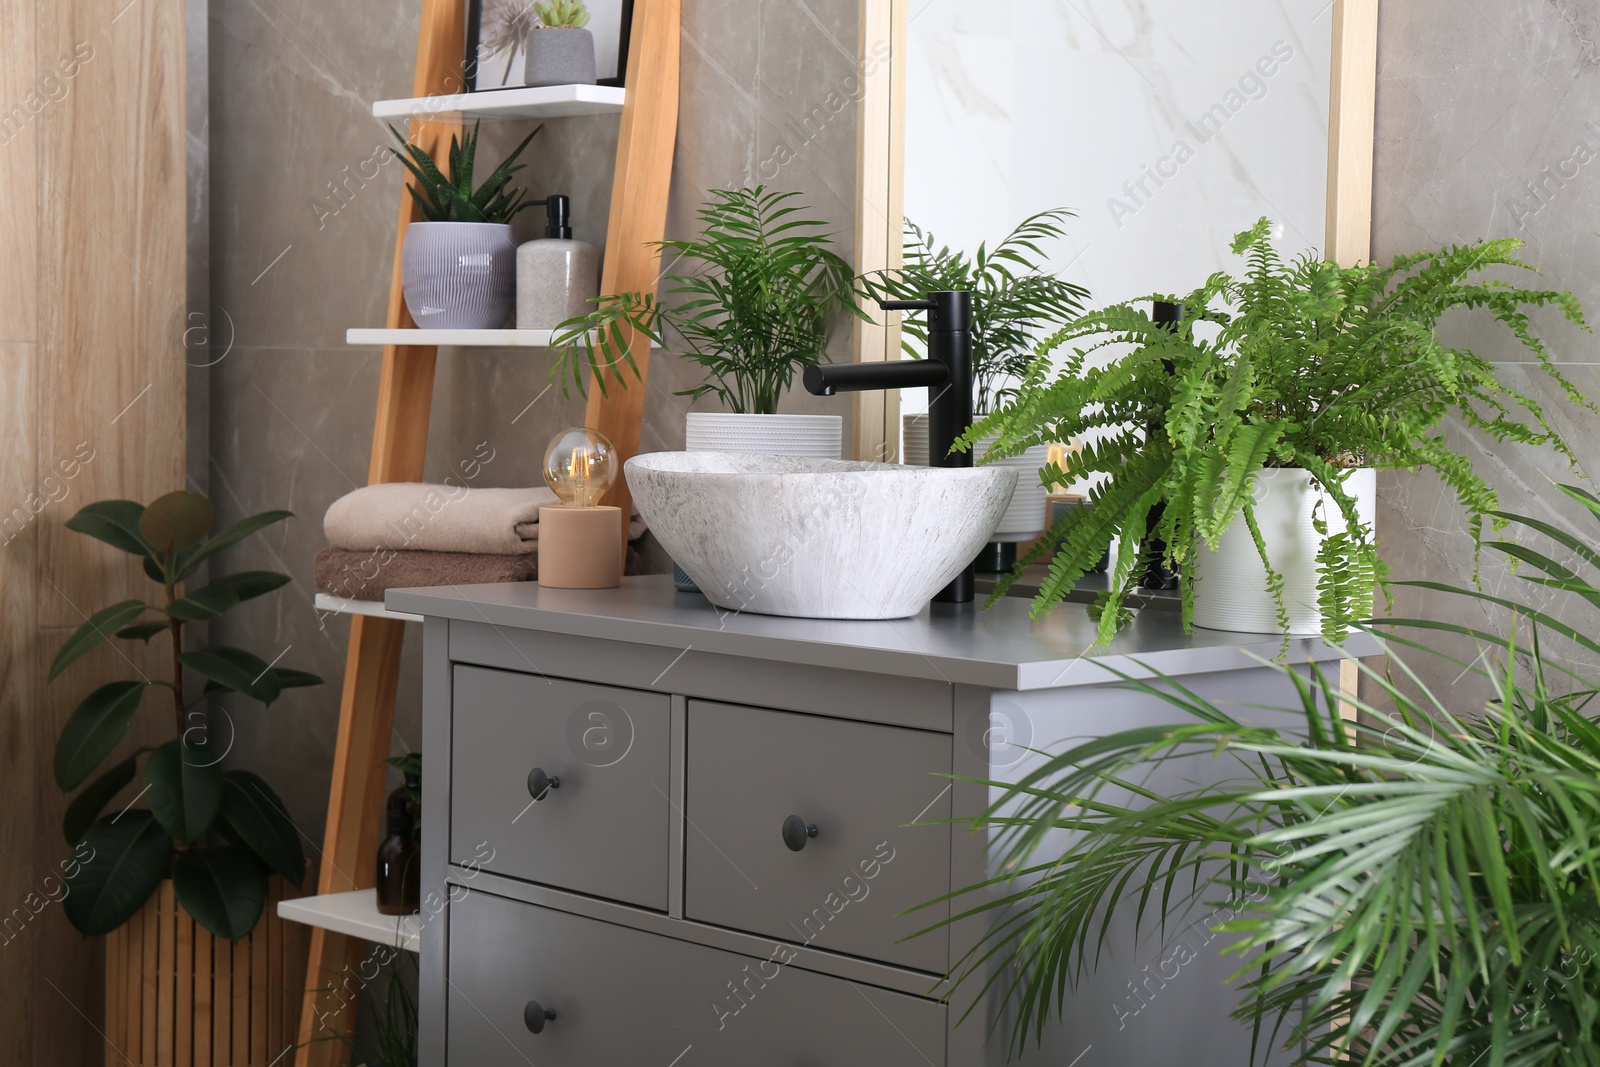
point(452, 338)
point(338, 605)
point(502, 105)
point(355, 914)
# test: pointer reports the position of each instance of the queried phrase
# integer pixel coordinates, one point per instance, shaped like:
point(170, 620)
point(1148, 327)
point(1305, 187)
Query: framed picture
point(497, 31)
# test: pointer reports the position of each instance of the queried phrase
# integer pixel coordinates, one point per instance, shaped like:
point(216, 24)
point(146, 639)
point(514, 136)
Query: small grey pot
point(459, 275)
point(560, 56)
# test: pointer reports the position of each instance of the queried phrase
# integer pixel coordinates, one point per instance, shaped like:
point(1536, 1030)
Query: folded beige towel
point(416, 516)
point(367, 574)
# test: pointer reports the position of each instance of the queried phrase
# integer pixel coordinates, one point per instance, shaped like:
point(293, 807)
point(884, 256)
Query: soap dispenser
point(557, 277)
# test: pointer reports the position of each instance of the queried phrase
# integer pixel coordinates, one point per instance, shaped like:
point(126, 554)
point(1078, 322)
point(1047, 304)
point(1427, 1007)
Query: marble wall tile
point(1488, 126)
point(291, 408)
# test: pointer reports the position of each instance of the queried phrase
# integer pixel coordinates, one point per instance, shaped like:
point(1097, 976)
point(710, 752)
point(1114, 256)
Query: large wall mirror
point(1165, 126)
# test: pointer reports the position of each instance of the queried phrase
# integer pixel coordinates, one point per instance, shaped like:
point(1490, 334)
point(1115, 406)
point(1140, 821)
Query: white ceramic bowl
point(817, 538)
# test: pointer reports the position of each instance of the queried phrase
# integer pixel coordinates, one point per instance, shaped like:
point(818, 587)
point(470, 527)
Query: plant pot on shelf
point(1027, 516)
point(177, 994)
point(459, 275)
point(1231, 582)
point(560, 56)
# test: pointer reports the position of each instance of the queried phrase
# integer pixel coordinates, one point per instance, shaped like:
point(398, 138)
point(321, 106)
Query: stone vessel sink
point(817, 538)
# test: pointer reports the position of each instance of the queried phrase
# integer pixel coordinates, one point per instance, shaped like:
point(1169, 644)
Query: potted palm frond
point(560, 50)
point(1014, 297)
point(1414, 887)
point(183, 878)
point(1244, 437)
point(759, 308)
point(459, 262)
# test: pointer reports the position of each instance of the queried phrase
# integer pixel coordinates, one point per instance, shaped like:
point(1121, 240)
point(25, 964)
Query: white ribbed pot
point(1231, 582)
point(809, 436)
point(459, 275)
point(1028, 515)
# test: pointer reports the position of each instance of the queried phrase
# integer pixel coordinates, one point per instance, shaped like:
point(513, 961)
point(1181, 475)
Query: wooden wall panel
point(92, 275)
point(112, 274)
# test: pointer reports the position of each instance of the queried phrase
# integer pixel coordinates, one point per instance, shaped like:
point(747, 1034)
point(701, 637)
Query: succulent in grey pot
point(560, 51)
point(459, 262)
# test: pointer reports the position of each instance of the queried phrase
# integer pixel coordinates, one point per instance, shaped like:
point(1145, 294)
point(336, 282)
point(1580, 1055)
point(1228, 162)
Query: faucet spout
point(946, 374)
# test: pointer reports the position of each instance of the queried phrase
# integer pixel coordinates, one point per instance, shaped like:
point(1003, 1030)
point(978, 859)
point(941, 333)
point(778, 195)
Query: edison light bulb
point(580, 466)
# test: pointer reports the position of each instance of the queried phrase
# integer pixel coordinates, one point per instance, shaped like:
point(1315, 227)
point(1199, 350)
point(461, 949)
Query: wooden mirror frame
point(880, 169)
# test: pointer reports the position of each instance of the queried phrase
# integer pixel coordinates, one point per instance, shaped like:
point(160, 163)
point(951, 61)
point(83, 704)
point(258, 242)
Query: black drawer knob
point(535, 1015)
point(539, 786)
point(796, 832)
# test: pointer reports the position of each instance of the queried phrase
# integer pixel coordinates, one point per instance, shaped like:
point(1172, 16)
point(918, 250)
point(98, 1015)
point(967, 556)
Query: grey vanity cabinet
point(720, 876)
point(625, 998)
point(601, 823)
point(857, 786)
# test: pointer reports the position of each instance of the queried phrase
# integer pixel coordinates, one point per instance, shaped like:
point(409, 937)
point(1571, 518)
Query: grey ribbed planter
point(459, 275)
point(561, 56)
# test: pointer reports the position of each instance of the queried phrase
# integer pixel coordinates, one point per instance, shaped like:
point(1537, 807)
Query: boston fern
point(452, 198)
point(1013, 298)
point(1416, 888)
point(760, 308)
point(217, 834)
point(1297, 364)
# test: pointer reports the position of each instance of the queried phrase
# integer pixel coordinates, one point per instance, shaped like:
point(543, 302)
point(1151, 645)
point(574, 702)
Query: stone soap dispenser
point(557, 277)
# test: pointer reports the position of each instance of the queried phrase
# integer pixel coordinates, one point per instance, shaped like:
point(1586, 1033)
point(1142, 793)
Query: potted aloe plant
point(560, 50)
point(1014, 298)
point(1417, 886)
point(759, 308)
point(459, 262)
point(193, 856)
point(1258, 421)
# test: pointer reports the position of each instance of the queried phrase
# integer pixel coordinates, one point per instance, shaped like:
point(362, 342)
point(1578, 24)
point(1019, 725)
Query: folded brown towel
point(368, 574)
point(417, 516)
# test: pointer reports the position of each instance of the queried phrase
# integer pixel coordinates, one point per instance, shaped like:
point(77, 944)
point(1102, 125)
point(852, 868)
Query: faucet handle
point(907, 305)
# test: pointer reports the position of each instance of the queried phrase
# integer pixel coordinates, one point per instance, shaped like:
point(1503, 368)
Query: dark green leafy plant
point(451, 198)
point(393, 1014)
point(1013, 298)
point(1303, 364)
point(1420, 887)
point(761, 308)
point(217, 834)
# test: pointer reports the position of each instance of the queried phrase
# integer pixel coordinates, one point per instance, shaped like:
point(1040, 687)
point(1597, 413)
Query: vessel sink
point(817, 538)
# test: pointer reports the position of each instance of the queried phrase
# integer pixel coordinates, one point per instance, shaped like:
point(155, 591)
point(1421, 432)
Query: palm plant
point(1421, 886)
point(1014, 297)
point(760, 309)
point(1296, 364)
point(452, 198)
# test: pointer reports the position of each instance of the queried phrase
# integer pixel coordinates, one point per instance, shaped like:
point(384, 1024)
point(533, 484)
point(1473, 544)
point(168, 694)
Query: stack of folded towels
point(408, 535)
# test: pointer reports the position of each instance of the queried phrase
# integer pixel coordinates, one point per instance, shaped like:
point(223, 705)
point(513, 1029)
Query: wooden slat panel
point(271, 929)
point(183, 1022)
point(166, 970)
point(203, 994)
point(149, 988)
point(1352, 103)
point(115, 1002)
point(222, 1002)
point(260, 961)
point(133, 989)
point(19, 223)
point(239, 1004)
point(639, 191)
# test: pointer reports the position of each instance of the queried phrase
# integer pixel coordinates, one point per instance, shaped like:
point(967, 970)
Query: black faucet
point(947, 375)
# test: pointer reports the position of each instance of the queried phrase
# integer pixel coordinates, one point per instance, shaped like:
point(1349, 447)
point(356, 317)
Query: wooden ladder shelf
point(405, 394)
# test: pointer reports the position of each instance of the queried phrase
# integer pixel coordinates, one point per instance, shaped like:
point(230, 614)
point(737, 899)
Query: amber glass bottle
point(399, 877)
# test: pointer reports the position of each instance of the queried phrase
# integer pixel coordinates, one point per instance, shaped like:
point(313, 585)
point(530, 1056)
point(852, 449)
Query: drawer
point(750, 771)
point(623, 998)
point(604, 828)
